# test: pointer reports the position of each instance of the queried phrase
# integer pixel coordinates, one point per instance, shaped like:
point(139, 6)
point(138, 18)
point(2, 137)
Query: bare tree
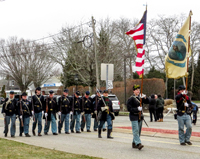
point(25, 62)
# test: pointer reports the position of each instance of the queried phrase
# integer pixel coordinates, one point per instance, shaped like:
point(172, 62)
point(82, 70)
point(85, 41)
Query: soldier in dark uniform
point(24, 114)
point(38, 110)
point(184, 108)
point(95, 101)
point(50, 113)
point(133, 106)
point(9, 112)
point(87, 110)
point(76, 106)
point(107, 114)
point(64, 107)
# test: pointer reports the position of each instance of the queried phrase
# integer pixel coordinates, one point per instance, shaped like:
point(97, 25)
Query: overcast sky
point(34, 19)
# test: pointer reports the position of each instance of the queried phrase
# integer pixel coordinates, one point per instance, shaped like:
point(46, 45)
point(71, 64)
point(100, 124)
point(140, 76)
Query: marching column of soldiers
point(84, 108)
point(80, 109)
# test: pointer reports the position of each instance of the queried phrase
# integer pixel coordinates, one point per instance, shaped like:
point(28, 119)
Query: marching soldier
point(50, 113)
point(184, 107)
point(87, 110)
point(38, 106)
point(106, 110)
point(133, 105)
point(64, 107)
point(24, 111)
point(76, 105)
point(9, 112)
point(96, 100)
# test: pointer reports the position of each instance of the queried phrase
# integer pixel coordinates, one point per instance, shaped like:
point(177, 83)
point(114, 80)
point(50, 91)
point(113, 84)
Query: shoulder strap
point(27, 107)
point(38, 99)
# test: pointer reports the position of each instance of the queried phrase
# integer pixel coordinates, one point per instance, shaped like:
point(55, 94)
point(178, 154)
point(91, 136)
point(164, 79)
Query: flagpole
point(141, 89)
point(188, 57)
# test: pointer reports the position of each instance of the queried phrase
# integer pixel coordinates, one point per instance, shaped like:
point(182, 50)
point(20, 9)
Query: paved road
point(120, 147)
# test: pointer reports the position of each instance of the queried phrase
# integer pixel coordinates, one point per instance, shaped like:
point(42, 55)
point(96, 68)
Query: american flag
point(138, 34)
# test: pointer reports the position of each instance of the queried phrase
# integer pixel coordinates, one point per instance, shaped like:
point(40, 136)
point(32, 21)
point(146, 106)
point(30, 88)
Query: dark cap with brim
point(77, 93)
point(51, 92)
point(12, 92)
point(24, 94)
point(181, 87)
point(38, 89)
point(105, 91)
point(66, 90)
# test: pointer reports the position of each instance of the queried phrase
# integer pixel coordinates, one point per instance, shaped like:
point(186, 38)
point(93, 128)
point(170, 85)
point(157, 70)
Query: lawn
point(12, 149)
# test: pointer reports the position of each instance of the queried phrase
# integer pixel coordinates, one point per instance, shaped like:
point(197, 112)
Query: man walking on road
point(184, 108)
point(50, 113)
point(133, 106)
point(77, 113)
point(64, 106)
point(105, 108)
point(9, 112)
point(38, 110)
point(87, 109)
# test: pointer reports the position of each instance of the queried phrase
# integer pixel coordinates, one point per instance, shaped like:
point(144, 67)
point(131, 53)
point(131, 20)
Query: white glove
point(186, 104)
point(42, 112)
point(82, 113)
point(142, 96)
point(104, 108)
point(20, 116)
point(45, 114)
point(71, 112)
point(139, 109)
point(4, 114)
point(91, 113)
point(184, 92)
point(32, 112)
point(95, 112)
point(59, 113)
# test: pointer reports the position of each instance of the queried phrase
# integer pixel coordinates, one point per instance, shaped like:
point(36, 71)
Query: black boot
point(99, 133)
point(109, 133)
point(134, 145)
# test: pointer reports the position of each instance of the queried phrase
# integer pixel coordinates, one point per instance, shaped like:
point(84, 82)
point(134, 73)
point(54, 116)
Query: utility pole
point(95, 53)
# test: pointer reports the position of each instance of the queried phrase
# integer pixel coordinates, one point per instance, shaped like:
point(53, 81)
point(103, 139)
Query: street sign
point(110, 84)
point(110, 72)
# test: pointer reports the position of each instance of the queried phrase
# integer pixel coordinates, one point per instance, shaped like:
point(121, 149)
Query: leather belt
point(87, 108)
point(182, 111)
point(76, 109)
point(10, 110)
point(51, 109)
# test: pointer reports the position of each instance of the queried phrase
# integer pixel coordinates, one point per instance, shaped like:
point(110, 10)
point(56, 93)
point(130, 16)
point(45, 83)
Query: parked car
point(2, 100)
point(115, 102)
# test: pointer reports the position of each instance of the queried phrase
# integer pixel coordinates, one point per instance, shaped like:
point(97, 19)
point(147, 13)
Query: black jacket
point(180, 104)
point(87, 105)
point(76, 105)
point(64, 104)
point(26, 108)
point(38, 103)
point(104, 113)
point(10, 108)
point(132, 105)
point(152, 103)
point(95, 102)
point(52, 106)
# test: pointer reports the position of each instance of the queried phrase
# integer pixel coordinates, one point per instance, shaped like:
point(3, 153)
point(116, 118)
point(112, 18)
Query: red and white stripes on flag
point(138, 34)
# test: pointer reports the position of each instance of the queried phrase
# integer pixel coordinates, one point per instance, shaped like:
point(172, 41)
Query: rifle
point(83, 103)
point(46, 108)
point(32, 107)
point(96, 105)
point(60, 107)
point(21, 111)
